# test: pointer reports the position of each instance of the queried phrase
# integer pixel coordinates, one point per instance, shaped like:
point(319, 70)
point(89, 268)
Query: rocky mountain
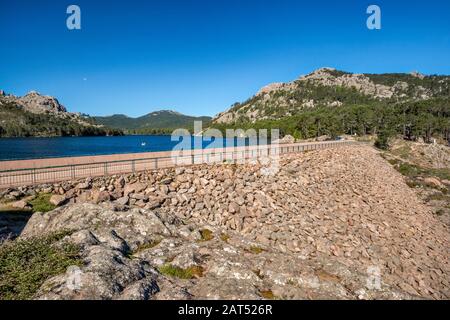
point(164, 120)
point(36, 103)
point(39, 115)
point(328, 87)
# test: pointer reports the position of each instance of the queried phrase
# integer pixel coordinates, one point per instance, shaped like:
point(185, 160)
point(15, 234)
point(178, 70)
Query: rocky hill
point(36, 103)
point(38, 115)
point(158, 121)
point(336, 223)
point(330, 103)
point(328, 87)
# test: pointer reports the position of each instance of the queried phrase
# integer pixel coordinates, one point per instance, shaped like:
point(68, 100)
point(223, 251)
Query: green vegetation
point(224, 237)
point(146, 246)
point(336, 110)
point(382, 141)
point(267, 294)
point(436, 194)
point(17, 122)
point(25, 264)
point(413, 171)
point(439, 196)
point(403, 152)
point(160, 122)
point(423, 119)
point(439, 86)
point(415, 178)
point(255, 250)
point(42, 203)
point(177, 272)
point(206, 235)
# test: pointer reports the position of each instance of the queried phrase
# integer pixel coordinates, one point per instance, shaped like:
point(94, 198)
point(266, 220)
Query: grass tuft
point(42, 203)
point(255, 250)
point(438, 196)
point(146, 246)
point(224, 237)
point(267, 294)
point(206, 235)
point(177, 272)
point(25, 264)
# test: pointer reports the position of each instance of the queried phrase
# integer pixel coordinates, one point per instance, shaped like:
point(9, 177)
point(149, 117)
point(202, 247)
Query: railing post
point(72, 169)
point(133, 166)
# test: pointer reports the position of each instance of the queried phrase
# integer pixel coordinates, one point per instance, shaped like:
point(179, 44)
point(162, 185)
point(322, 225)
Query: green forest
point(419, 119)
point(16, 122)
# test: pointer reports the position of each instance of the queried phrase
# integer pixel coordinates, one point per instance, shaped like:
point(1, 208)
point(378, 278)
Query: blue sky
point(197, 56)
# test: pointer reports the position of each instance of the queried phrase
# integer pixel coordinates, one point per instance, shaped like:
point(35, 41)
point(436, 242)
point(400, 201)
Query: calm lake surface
point(36, 148)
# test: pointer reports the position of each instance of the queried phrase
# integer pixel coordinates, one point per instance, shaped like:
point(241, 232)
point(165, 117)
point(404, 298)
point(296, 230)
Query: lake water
point(36, 148)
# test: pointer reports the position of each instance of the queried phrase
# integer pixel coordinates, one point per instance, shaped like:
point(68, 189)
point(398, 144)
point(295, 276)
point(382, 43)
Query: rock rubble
point(327, 222)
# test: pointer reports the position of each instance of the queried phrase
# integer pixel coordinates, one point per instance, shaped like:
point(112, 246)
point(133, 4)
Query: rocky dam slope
point(338, 223)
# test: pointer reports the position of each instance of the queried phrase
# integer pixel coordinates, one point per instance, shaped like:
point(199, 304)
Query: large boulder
point(133, 225)
point(57, 200)
point(134, 188)
point(285, 140)
point(434, 182)
point(101, 196)
point(22, 205)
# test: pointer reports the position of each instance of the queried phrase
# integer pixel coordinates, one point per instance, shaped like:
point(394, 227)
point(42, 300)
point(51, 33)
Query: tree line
point(421, 119)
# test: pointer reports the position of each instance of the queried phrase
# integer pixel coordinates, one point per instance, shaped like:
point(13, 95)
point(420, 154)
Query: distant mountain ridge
point(163, 120)
point(40, 115)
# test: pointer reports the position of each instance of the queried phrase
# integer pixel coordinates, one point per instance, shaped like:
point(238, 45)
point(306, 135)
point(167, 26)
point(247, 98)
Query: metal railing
point(53, 174)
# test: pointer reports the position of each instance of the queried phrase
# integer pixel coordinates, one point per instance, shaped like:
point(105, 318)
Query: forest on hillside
point(16, 122)
point(419, 119)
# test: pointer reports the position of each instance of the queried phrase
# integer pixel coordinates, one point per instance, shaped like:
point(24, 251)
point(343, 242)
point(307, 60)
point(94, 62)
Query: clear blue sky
point(197, 56)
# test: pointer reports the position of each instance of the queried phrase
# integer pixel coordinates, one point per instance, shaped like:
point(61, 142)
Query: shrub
point(255, 250)
point(206, 235)
point(146, 246)
point(267, 294)
point(177, 272)
point(42, 203)
point(25, 264)
point(382, 141)
point(224, 237)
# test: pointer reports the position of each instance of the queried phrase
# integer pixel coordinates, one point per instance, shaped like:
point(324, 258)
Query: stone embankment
point(338, 223)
